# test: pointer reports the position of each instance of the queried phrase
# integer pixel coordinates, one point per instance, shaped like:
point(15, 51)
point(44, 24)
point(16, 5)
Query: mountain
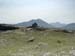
point(40, 23)
point(58, 25)
point(70, 26)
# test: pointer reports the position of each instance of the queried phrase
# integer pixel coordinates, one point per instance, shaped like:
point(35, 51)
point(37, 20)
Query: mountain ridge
point(40, 23)
point(70, 26)
point(58, 24)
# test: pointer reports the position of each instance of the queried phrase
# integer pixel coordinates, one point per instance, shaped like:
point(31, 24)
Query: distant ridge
point(40, 23)
point(70, 26)
point(58, 24)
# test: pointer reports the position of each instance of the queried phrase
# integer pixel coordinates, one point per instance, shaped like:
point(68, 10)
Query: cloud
point(49, 10)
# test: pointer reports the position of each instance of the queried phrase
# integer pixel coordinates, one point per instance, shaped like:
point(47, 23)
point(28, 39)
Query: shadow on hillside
point(5, 27)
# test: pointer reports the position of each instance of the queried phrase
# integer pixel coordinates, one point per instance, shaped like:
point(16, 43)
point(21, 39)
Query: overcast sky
point(15, 11)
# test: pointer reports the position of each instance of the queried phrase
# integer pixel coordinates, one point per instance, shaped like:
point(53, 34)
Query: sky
point(15, 11)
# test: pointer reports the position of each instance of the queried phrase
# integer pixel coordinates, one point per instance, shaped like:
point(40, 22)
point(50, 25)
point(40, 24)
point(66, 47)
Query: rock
point(31, 39)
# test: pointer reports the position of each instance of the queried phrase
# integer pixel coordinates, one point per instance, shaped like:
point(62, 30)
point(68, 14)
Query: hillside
point(5, 27)
point(58, 24)
point(40, 23)
point(70, 26)
point(24, 42)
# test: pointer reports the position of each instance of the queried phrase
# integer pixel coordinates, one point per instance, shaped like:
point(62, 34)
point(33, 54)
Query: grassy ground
point(45, 43)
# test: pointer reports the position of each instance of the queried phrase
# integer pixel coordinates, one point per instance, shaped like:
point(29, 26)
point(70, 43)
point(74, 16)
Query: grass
point(46, 43)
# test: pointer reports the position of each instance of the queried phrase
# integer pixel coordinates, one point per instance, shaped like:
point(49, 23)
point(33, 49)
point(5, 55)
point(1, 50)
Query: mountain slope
point(70, 26)
point(40, 23)
point(58, 25)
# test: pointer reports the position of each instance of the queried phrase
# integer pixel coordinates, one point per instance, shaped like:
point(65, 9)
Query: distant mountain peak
point(39, 19)
point(40, 23)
